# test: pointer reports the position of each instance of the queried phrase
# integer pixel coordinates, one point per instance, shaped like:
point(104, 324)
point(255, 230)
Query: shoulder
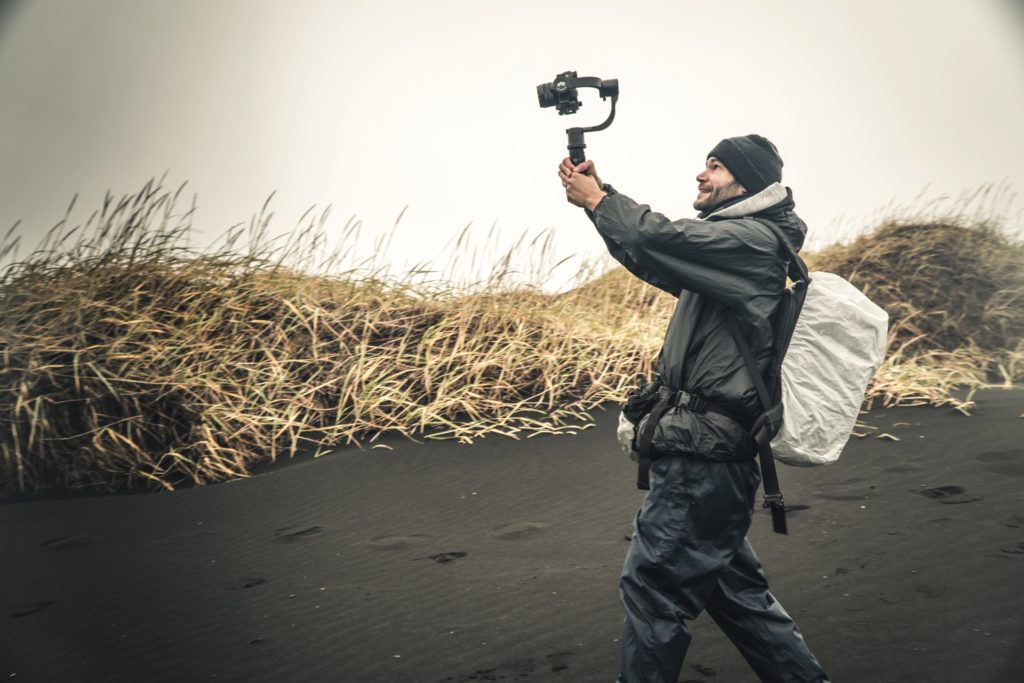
point(754, 233)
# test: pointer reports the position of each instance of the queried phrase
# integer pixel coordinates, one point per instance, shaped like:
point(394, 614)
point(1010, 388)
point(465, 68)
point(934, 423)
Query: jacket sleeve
point(620, 254)
point(733, 261)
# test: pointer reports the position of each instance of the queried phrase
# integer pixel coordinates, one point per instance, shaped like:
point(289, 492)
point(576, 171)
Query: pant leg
point(692, 522)
point(758, 626)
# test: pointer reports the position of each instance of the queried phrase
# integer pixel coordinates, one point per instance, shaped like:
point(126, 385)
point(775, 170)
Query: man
point(689, 551)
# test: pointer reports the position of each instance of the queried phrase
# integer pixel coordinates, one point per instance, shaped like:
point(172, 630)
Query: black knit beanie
point(752, 159)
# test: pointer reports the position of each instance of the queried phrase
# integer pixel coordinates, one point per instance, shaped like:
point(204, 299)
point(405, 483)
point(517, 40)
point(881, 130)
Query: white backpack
point(829, 341)
point(837, 346)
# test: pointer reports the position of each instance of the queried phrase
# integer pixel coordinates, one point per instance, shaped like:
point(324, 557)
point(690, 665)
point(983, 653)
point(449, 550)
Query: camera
point(559, 94)
point(562, 94)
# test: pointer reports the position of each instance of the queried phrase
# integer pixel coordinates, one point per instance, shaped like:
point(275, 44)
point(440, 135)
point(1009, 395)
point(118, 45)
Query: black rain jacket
point(727, 259)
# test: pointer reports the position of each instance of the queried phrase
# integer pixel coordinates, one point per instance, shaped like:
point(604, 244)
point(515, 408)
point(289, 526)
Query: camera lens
point(546, 95)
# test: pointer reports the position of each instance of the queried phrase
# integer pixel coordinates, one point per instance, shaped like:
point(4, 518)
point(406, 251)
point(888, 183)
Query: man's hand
point(586, 168)
point(582, 185)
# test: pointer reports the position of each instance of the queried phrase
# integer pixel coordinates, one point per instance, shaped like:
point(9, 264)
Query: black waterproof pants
point(690, 553)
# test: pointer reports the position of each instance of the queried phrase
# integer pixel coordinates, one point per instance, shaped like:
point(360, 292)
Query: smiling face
point(715, 184)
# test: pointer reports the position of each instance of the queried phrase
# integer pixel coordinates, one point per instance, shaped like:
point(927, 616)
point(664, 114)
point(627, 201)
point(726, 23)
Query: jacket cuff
point(605, 188)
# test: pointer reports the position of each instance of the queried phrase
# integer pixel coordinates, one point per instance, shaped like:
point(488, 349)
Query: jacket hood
point(774, 203)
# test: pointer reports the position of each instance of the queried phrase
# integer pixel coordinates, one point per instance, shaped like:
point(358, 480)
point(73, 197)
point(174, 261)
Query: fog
point(370, 107)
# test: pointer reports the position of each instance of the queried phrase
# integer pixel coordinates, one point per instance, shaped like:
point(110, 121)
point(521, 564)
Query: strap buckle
point(773, 501)
point(693, 402)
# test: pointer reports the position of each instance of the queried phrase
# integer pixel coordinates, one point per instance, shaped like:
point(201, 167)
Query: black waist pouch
point(639, 401)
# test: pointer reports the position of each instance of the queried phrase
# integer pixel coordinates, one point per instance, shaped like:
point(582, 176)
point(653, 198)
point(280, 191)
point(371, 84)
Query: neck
point(721, 205)
point(748, 205)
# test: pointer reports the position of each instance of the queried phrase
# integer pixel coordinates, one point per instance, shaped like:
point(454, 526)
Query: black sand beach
point(499, 561)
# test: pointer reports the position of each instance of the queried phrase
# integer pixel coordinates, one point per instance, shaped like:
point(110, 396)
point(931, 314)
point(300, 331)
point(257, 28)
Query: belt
point(667, 399)
point(698, 404)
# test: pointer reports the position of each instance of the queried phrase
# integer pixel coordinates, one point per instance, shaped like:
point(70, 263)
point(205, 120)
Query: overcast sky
point(370, 106)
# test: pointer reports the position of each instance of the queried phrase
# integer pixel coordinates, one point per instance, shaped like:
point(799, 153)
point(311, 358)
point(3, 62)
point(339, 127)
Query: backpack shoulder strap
point(748, 358)
point(797, 271)
point(793, 299)
point(762, 434)
point(766, 425)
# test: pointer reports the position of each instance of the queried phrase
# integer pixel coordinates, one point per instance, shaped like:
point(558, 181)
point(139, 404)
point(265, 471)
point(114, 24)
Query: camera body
point(559, 94)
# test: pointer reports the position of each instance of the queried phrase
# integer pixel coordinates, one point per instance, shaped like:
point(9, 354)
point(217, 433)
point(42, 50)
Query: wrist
point(594, 200)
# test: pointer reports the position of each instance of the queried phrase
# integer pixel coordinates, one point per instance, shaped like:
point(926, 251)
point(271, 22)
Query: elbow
point(648, 233)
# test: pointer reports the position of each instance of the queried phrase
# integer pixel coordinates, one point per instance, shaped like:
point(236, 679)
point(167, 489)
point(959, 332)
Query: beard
point(706, 202)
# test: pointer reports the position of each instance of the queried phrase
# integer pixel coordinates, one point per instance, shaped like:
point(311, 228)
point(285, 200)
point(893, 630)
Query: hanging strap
point(644, 437)
point(761, 432)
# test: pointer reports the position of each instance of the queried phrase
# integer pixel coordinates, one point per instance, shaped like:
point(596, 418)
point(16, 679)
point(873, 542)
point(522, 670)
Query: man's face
point(715, 185)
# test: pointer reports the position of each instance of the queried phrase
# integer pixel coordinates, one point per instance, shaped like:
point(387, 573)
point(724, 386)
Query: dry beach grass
point(130, 359)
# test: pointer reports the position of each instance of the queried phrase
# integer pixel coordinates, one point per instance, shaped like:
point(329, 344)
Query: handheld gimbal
point(562, 94)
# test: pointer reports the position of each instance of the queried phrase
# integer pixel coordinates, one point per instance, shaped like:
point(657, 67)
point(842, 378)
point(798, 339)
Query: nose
point(702, 176)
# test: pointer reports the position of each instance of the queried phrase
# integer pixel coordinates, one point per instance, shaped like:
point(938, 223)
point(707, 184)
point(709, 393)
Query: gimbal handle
point(576, 146)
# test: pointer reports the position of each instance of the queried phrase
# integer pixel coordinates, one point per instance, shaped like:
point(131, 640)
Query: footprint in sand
point(69, 542)
point(396, 542)
point(1009, 463)
point(949, 495)
point(29, 608)
point(1013, 549)
point(290, 534)
point(247, 583)
point(443, 558)
point(518, 530)
point(559, 661)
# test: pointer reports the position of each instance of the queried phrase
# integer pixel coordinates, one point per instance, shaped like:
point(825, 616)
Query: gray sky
point(372, 105)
